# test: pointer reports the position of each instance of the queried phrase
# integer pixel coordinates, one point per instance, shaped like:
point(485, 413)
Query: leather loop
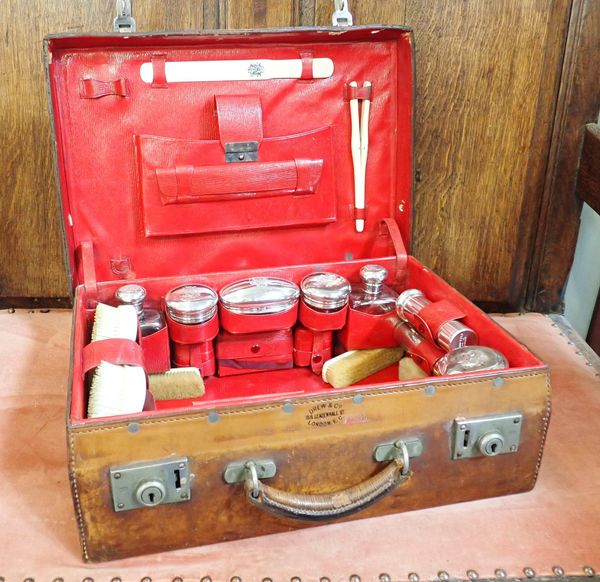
point(439, 312)
point(321, 321)
point(122, 352)
point(395, 235)
point(360, 213)
point(159, 76)
point(193, 333)
point(239, 118)
point(307, 65)
point(327, 506)
point(94, 88)
point(361, 93)
point(191, 184)
point(88, 271)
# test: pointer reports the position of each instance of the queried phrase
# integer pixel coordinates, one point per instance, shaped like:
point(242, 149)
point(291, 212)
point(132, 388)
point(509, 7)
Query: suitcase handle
point(326, 506)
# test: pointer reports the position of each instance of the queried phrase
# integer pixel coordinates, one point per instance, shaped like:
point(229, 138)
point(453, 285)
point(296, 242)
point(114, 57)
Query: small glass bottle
point(372, 296)
point(151, 320)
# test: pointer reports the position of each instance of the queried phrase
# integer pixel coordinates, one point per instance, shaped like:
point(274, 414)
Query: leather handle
point(325, 506)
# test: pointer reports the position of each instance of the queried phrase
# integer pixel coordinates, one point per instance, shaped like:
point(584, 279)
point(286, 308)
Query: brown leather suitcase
point(146, 197)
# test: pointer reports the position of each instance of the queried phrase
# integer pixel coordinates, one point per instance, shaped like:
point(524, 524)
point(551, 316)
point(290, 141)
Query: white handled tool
point(360, 150)
point(236, 70)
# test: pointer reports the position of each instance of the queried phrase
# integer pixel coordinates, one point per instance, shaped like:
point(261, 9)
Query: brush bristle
point(116, 389)
point(353, 366)
point(176, 384)
point(408, 369)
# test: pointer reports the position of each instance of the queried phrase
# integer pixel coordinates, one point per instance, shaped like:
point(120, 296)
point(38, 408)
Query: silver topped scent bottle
point(372, 296)
point(325, 292)
point(151, 320)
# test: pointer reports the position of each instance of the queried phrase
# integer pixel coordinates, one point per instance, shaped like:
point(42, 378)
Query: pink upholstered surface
point(556, 523)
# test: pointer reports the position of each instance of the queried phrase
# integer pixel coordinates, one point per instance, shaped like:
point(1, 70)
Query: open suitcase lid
point(154, 173)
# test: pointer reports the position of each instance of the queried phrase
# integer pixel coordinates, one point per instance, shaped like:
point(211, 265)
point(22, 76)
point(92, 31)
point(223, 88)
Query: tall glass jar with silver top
point(151, 320)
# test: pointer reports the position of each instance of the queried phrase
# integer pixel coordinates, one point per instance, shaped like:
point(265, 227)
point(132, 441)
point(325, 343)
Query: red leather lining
point(115, 351)
point(94, 88)
point(157, 355)
point(239, 118)
point(190, 184)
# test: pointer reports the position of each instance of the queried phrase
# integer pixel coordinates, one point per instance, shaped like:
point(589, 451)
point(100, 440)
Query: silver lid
point(453, 335)
point(470, 359)
point(373, 277)
point(191, 304)
point(325, 290)
point(132, 294)
point(259, 296)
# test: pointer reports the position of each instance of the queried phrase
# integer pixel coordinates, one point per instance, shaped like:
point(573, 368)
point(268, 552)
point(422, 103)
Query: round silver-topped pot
point(191, 304)
point(132, 294)
point(259, 296)
point(325, 291)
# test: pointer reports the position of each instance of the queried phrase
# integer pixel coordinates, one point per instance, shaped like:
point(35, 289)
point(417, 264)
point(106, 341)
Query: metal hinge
point(241, 151)
point(123, 21)
point(342, 15)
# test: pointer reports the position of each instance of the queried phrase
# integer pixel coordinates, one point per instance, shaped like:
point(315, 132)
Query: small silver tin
point(191, 304)
point(325, 291)
point(259, 296)
point(470, 359)
point(132, 294)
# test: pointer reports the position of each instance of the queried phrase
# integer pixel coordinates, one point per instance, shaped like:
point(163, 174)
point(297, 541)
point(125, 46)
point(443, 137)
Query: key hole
point(151, 496)
point(466, 438)
point(177, 479)
point(493, 447)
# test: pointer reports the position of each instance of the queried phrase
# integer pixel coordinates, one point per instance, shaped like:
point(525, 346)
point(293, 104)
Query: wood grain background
point(488, 80)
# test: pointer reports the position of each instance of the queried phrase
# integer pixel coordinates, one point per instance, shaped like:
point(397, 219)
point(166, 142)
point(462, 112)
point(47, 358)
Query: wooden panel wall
point(488, 76)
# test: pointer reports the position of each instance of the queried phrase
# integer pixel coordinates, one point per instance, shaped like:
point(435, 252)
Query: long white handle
point(236, 70)
point(356, 159)
point(364, 146)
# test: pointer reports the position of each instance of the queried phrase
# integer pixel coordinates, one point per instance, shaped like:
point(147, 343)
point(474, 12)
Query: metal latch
point(241, 151)
point(342, 15)
point(402, 448)
point(486, 436)
point(237, 472)
point(149, 484)
point(124, 22)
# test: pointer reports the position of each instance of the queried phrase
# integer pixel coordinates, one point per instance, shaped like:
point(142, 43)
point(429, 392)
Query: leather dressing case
point(166, 181)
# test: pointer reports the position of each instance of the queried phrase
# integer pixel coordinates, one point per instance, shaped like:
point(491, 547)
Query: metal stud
point(499, 382)
point(529, 572)
point(267, 580)
point(358, 399)
point(558, 571)
point(116, 579)
point(295, 579)
point(178, 579)
point(413, 577)
point(354, 578)
point(206, 579)
point(589, 571)
point(443, 575)
point(146, 579)
point(29, 580)
point(88, 580)
point(472, 575)
point(288, 407)
point(235, 579)
point(430, 390)
point(213, 417)
point(324, 579)
point(55, 580)
point(500, 573)
point(384, 578)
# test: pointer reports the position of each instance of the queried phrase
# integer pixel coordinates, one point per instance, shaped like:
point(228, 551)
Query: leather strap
point(88, 271)
point(159, 76)
point(395, 235)
point(239, 118)
point(361, 93)
point(439, 312)
point(94, 88)
point(122, 352)
point(307, 65)
point(191, 184)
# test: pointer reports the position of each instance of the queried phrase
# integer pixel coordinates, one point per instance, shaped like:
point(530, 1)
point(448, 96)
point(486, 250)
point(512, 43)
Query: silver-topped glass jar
point(372, 296)
point(259, 296)
point(191, 304)
point(451, 334)
point(325, 292)
point(151, 320)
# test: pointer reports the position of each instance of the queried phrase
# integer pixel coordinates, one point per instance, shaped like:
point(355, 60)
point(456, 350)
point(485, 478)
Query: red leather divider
point(321, 321)
point(193, 345)
point(239, 118)
point(237, 323)
point(122, 352)
point(363, 331)
point(190, 184)
point(157, 355)
point(312, 348)
point(254, 352)
point(94, 88)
